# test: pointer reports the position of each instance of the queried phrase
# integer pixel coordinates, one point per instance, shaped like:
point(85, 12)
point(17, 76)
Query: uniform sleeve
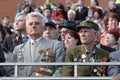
point(68, 70)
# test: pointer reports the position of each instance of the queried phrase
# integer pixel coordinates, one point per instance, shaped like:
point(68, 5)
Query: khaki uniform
point(78, 54)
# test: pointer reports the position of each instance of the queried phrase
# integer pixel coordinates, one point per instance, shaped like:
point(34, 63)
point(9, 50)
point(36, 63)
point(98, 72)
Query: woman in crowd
point(111, 38)
point(97, 18)
point(71, 39)
point(111, 21)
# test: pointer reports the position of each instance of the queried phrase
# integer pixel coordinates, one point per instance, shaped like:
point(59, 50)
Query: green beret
point(87, 24)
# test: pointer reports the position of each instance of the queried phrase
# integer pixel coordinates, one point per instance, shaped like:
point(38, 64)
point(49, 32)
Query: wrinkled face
point(20, 23)
point(87, 36)
point(70, 41)
point(34, 26)
point(50, 33)
point(112, 23)
point(71, 16)
point(110, 40)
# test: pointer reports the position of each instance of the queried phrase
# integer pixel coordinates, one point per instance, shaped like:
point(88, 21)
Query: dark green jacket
point(78, 54)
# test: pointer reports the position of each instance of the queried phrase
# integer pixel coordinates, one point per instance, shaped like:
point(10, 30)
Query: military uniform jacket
point(78, 54)
point(43, 51)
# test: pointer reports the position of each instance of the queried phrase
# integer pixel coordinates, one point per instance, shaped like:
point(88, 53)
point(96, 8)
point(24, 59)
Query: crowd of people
point(61, 33)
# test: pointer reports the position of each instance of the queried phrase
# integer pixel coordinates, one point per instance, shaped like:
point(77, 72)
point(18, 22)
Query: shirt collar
point(35, 41)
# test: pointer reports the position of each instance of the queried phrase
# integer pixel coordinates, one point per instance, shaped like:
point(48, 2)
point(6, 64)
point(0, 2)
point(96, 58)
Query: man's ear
point(98, 35)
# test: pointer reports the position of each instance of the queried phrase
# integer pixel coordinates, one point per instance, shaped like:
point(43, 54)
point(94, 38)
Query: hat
point(70, 25)
point(115, 32)
point(51, 24)
point(87, 24)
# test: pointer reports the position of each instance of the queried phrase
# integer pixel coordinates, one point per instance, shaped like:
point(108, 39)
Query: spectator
point(50, 31)
point(99, 45)
point(38, 49)
point(68, 4)
point(59, 12)
point(37, 9)
point(87, 52)
point(48, 4)
point(71, 39)
point(6, 23)
point(112, 8)
point(111, 38)
point(17, 38)
point(97, 18)
point(25, 9)
point(58, 22)
point(31, 3)
point(71, 16)
point(90, 13)
point(95, 3)
point(47, 14)
point(81, 10)
point(67, 26)
point(111, 21)
point(73, 6)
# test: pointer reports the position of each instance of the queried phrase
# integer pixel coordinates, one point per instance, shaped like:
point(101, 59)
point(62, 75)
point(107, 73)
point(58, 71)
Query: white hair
point(72, 11)
point(36, 14)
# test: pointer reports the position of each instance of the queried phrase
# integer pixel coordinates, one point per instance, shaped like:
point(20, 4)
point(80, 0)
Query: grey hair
point(36, 14)
point(72, 11)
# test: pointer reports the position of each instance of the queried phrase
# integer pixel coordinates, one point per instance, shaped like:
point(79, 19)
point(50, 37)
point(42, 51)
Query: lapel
point(39, 45)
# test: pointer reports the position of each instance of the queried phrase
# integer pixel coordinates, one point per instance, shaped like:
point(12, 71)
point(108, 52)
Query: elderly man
point(71, 16)
point(50, 31)
point(87, 52)
point(18, 37)
point(38, 49)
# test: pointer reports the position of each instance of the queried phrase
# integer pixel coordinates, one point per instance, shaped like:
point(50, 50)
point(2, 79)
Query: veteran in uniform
point(87, 52)
point(38, 49)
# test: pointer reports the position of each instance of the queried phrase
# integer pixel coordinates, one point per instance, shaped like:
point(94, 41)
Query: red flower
point(50, 54)
point(37, 69)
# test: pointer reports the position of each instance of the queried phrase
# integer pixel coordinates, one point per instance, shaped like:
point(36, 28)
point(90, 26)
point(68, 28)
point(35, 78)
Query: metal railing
point(75, 64)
